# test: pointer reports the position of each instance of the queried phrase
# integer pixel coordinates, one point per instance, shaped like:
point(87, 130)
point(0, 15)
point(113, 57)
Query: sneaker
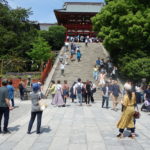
point(28, 132)
point(38, 132)
point(6, 132)
point(132, 136)
point(120, 135)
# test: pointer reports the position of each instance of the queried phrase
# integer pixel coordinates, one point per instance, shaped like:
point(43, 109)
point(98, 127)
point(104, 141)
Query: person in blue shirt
point(78, 55)
point(98, 61)
point(11, 92)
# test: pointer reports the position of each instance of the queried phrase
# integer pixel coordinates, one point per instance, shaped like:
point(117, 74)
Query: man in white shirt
point(62, 68)
point(78, 90)
point(106, 93)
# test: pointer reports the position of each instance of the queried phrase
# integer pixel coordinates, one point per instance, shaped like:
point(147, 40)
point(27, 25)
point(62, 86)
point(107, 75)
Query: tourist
point(62, 68)
point(66, 58)
point(115, 94)
point(78, 90)
point(78, 55)
point(88, 92)
point(21, 89)
point(109, 68)
point(58, 98)
point(98, 62)
point(93, 90)
point(11, 91)
point(95, 73)
point(5, 106)
point(127, 117)
point(138, 91)
point(86, 42)
point(65, 91)
point(84, 93)
point(105, 96)
point(61, 58)
point(35, 111)
point(72, 52)
point(52, 89)
point(146, 105)
point(101, 63)
point(72, 95)
point(102, 79)
point(29, 84)
point(114, 73)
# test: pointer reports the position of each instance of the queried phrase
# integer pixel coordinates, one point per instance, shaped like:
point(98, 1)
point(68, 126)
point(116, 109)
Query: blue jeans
point(79, 97)
point(107, 101)
point(95, 75)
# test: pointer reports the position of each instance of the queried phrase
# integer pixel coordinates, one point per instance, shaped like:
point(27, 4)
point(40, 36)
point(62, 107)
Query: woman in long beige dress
point(127, 117)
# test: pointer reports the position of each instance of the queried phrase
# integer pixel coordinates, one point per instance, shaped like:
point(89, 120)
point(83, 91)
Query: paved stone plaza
point(72, 128)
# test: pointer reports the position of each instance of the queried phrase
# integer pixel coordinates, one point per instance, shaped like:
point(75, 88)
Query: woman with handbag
point(36, 110)
point(58, 98)
point(127, 118)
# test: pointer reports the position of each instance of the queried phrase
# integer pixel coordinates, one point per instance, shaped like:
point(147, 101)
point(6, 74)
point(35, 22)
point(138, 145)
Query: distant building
point(45, 26)
point(76, 17)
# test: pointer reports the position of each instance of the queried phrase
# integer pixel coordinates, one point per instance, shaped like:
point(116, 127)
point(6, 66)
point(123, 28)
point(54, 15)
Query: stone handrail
point(50, 76)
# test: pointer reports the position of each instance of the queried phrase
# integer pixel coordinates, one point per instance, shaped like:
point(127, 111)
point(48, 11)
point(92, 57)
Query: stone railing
point(50, 75)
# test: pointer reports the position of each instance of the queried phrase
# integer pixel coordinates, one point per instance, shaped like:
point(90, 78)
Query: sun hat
point(35, 87)
point(127, 86)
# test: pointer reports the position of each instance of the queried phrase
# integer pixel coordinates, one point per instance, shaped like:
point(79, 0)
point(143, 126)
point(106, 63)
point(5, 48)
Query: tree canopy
point(17, 35)
point(40, 52)
point(55, 36)
point(124, 26)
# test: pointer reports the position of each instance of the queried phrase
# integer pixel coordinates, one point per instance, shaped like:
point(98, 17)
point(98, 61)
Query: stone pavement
point(72, 128)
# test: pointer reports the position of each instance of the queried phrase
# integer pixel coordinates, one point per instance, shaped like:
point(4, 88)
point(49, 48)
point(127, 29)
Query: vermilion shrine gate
point(76, 17)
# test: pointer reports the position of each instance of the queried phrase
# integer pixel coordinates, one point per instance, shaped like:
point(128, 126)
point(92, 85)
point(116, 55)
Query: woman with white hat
point(127, 117)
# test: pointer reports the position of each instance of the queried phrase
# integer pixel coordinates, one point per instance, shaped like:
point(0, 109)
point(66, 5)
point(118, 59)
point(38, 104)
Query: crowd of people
point(71, 53)
point(82, 91)
point(82, 39)
point(105, 79)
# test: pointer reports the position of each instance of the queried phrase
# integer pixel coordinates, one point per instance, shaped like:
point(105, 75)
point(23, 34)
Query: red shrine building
point(76, 17)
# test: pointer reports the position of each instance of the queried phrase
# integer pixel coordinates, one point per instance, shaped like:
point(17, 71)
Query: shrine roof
point(91, 7)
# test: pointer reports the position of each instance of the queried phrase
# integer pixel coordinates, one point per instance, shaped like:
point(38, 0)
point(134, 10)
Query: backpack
point(94, 90)
point(79, 89)
point(20, 86)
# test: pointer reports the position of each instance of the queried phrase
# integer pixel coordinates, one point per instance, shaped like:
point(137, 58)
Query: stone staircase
point(84, 68)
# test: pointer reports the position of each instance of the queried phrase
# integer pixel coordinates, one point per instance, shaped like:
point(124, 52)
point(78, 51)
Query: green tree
point(41, 51)
point(55, 36)
point(124, 26)
point(16, 32)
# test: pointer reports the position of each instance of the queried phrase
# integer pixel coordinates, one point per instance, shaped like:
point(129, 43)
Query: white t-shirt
point(58, 86)
point(76, 85)
point(62, 66)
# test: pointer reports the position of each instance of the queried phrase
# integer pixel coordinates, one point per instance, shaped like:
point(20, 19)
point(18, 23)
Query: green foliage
point(41, 51)
point(55, 36)
point(19, 39)
point(12, 64)
point(124, 26)
point(137, 69)
point(16, 31)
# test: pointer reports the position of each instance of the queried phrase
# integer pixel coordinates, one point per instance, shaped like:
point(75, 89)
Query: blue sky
point(43, 9)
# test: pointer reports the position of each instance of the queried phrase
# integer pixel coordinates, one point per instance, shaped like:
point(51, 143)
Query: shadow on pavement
point(15, 128)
